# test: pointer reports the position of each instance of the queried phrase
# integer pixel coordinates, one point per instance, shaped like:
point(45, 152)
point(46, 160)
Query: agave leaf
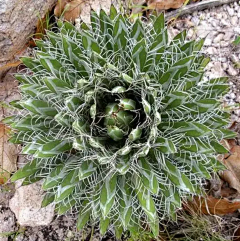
point(48, 198)
point(29, 169)
point(106, 29)
point(73, 103)
point(95, 22)
point(123, 164)
point(76, 56)
point(104, 223)
point(32, 179)
point(54, 178)
point(83, 216)
point(35, 90)
point(148, 176)
point(180, 37)
point(174, 99)
point(89, 43)
point(147, 204)
point(137, 31)
point(120, 34)
point(52, 65)
point(219, 148)
point(39, 107)
point(193, 129)
point(165, 145)
point(57, 86)
point(64, 192)
point(53, 148)
point(196, 145)
point(159, 24)
point(32, 64)
point(225, 134)
point(139, 54)
point(178, 178)
point(125, 202)
point(107, 195)
point(178, 70)
point(31, 123)
point(64, 206)
point(113, 12)
point(86, 169)
point(64, 119)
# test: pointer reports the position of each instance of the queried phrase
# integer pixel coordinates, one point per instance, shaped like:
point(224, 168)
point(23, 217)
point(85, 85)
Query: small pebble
point(231, 71)
point(234, 20)
point(218, 38)
point(234, 58)
point(230, 11)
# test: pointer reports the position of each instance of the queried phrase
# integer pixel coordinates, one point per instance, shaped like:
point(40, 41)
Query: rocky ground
point(220, 26)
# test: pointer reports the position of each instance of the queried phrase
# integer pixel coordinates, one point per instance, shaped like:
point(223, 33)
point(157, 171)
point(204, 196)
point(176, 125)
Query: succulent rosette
point(118, 121)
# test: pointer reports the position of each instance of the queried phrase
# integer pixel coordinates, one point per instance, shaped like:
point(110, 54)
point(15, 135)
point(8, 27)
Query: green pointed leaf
point(139, 54)
point(165, 145)
point(83, 216)
point(87, 168)
point(104, 223)
point(39, 107)
point(148, 176)
point(63, 207)
point(54, 178)
point(29, 169)
point(48, 198)
point(148, 206)
point(125, 202)
point(54, 148)
point(107, 195)
point(193, 129)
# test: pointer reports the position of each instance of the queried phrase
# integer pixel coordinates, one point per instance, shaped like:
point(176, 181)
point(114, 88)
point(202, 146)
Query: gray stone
point(219, 16)
point(26, 204)
point(224, 15)
point(232, 96)
point(18, 20)
point(217, 70)
point(208, 42)
point(234, 20)
point(203, 30)
point(195, 20)
point(230, 11)
point(211, 50)
point(224, 44)
point(225, 23)
point(224, 66)
point(231, 71)
point(229, 34)
point(234, 58)
point(218, 38)
point(190, 33)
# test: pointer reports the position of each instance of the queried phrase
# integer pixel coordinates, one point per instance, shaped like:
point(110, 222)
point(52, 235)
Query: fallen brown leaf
point(70, 10)
point(211, 205)
point(164, 5)
point(60, 7)
point(231, 179)
point(232, 162)
point(8, 155)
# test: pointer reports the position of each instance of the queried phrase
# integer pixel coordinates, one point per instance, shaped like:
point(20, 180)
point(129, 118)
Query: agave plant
point(118, 121)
